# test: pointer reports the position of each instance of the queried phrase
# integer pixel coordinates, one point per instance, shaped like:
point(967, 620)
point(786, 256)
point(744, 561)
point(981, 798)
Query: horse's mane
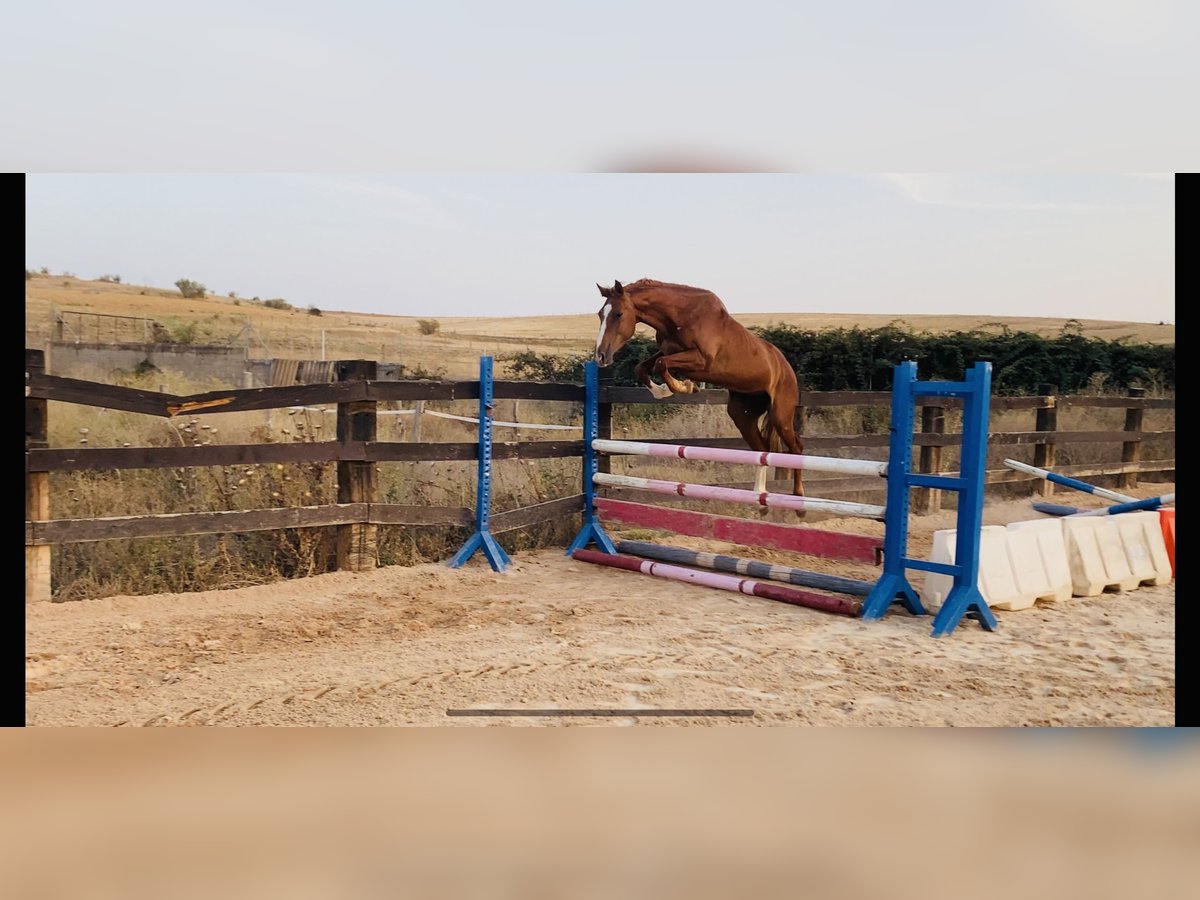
point(646, 284)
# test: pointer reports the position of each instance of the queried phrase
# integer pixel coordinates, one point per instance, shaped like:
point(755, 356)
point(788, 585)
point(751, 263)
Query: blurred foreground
point(531, 813)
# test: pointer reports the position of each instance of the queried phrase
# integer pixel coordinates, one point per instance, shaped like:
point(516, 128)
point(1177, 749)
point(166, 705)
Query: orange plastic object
point(1166, 518)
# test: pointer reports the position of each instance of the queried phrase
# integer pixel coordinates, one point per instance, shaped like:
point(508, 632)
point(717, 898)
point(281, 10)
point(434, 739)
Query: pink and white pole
point(737, 495)
point(748, 457)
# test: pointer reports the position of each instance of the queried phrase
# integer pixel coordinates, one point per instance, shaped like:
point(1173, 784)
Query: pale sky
point(1083, 246)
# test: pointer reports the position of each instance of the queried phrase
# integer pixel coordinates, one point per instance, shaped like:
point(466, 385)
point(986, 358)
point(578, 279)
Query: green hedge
point(861, 359)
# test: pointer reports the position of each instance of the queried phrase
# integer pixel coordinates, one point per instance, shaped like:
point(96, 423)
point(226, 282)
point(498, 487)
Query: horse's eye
point(616, 315)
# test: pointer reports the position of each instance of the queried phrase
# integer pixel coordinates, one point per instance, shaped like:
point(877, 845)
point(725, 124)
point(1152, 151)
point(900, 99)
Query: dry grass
point(455, 348)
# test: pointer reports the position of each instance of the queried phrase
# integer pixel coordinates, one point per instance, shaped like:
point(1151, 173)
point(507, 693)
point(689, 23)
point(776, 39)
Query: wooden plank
point(72, 531)
point(533, 515)
point(423, 390)
point(429, 451)
point(537, 449)
point(626, 394)
point(538, 390)
point(387, 451)
point(104, 396)
point(1072, 437)
point(748, 532)
point(399, 514)
point(267, 398)
point(1117, 402)
point(813, 399)
point(119, 458)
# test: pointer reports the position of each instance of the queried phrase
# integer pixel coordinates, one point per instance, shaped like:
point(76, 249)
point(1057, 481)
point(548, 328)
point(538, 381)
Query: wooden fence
point(357, 451)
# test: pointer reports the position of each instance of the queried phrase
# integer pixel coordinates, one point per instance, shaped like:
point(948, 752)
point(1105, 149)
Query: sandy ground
point(401, 646)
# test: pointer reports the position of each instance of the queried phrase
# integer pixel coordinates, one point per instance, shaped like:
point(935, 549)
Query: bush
point(277, 303)
point(428, 326)
point(28, 274)
point(313, 311)
point(110, 279)
point(191, 289)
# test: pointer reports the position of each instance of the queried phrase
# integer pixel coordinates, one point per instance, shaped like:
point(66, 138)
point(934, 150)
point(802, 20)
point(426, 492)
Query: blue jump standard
point(964, 598)
point(592, 531)
point(483, 539)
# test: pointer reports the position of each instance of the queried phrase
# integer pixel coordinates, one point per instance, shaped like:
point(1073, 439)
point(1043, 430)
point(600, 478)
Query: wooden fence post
point(357, 481)
point(604, 421)
point(37, 487)
point(418, 409)
point(1046, 420)
point(1131, 451)
point(929, 500)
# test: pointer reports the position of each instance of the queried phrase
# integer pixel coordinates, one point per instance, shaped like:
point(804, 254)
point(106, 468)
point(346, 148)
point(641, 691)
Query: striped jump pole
point(1136, 505)
point(740, 566)
point(1055, 478)
point(1054, 509)
point(738, 495)
point(749, 457)
point(824, 602)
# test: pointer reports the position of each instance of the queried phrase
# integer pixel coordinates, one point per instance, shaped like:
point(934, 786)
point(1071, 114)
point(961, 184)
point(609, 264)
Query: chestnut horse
point(698, 340)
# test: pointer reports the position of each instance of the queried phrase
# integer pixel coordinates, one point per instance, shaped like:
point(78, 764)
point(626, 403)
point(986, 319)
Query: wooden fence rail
point(357, 451)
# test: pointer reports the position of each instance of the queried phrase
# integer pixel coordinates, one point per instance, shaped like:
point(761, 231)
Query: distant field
point(455, 347)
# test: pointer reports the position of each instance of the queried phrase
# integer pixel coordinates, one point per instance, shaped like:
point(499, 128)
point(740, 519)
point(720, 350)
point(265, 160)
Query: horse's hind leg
point(746, 410)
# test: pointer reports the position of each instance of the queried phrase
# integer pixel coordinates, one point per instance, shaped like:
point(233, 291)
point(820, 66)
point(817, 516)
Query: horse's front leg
point(690, 362)
point(642, 373)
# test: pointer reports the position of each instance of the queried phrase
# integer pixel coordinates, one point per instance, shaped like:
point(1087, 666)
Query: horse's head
point(618, 319)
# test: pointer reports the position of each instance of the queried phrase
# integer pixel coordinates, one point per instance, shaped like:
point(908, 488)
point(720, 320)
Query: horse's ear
point(618, 288)
point(603, 291)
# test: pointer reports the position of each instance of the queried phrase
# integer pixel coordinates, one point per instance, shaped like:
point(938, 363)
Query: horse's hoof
point(800, 514)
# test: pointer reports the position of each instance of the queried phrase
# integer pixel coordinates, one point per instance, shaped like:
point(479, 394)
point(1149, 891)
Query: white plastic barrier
point(1053, 559)
point(998, 581)
point(1097, 555)
point(1050, 549)
point(1145, 549)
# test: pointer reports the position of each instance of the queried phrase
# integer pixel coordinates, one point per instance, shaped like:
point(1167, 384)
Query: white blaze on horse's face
point(604, 311)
